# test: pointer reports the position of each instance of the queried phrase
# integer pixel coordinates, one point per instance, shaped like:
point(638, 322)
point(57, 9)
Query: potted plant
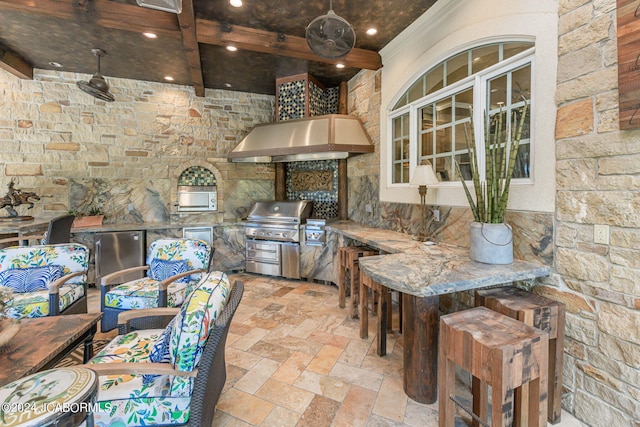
point(93, 218)
point(491, 238)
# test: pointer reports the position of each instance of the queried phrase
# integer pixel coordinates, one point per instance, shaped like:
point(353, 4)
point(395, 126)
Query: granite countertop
point(414, 268)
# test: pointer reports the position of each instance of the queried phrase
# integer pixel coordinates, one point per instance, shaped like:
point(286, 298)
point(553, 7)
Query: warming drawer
point(263, 251)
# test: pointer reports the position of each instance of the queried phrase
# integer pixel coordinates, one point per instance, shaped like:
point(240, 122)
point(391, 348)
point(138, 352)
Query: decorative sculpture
point(16, 197)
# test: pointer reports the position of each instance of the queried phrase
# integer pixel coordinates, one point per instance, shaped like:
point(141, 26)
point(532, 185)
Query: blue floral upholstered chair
point(47, 280)
point(171, 376)
point(174, 267)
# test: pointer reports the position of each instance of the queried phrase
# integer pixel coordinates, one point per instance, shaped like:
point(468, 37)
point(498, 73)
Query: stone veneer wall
point(597, 183)
point(130, 151)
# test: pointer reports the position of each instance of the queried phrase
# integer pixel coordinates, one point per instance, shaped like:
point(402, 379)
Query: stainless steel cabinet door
point(117, 251)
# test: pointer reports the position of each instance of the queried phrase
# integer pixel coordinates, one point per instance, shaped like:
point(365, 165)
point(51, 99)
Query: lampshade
point(424, 175)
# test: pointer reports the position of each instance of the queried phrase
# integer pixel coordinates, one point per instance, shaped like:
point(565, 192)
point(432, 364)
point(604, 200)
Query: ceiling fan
point(330, 36)
point(97, 86)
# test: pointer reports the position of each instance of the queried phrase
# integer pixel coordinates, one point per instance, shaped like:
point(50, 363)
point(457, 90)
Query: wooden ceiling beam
point(187, 23)
point(107, 14)
point(16, 66)
point(221, 34)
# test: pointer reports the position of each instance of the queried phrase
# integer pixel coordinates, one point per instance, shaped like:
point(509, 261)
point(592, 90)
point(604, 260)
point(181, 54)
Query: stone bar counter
point(422, 273)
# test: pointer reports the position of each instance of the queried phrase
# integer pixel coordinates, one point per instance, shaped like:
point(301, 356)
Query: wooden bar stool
point(542, 313)
point(348, 260)
point(381, 304)
point(501, 352)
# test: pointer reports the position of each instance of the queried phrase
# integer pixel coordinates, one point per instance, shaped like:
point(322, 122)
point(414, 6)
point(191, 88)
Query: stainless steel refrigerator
point(117, 251)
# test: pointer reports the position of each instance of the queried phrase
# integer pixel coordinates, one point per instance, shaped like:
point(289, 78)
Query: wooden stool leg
point(400, 298)
point(446, 386)
point(480, 393)
point(364, 309)
point(382, 320)
point(341, 284)
point(501, 401)
point(538, 404)
point(522, 397)
point(355, 298)
point(354, 273)
point(556, 354)
point(389, 300)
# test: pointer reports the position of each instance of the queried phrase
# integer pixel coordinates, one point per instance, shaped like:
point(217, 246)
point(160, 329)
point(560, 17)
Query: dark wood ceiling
point(191, 46)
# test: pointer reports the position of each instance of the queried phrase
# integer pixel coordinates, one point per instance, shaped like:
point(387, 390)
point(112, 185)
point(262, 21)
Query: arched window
point(430, 121)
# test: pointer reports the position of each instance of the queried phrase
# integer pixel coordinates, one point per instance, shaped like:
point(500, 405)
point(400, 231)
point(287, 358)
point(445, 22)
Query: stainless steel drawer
point(263, 251)
point(263, 268)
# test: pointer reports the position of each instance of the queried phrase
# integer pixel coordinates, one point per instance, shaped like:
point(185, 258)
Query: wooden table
point(44, 341)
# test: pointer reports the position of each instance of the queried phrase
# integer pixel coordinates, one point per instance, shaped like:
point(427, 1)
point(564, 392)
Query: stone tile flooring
point(295, 359)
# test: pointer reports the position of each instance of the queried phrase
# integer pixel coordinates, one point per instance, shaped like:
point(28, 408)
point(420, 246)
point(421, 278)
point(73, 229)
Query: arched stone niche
point(197, 173)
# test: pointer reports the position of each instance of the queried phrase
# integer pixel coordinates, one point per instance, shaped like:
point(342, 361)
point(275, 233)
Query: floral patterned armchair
point(174, 267)
point(47, 280)
point(170, 376)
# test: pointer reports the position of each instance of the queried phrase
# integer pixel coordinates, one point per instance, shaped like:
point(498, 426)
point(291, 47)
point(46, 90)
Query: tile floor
point(295, 359)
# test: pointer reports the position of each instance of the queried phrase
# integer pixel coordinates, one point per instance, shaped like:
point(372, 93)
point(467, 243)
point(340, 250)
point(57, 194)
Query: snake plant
point(492, 193)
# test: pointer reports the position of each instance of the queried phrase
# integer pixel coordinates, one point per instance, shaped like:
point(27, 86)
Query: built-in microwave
point(194, 198)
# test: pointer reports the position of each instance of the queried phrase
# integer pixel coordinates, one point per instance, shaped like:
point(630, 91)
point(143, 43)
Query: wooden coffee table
point(42, 342)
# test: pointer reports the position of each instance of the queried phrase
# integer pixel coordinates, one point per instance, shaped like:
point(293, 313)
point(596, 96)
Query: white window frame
point(478, 82)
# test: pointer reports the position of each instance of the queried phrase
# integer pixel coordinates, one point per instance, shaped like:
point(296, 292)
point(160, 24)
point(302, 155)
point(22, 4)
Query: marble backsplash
point(136, 201)
point(122, 200)
point(533, 231)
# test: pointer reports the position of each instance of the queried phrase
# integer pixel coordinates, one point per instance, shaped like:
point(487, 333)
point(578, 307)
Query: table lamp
point(423, 177)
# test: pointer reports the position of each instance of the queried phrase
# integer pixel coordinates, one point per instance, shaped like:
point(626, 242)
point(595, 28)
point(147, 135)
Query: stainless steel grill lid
point(290, 211)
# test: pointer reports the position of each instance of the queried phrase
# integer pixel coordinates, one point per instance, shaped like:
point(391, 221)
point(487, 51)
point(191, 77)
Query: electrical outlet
point(368, 208)
point(436, 215)
point(601, 234)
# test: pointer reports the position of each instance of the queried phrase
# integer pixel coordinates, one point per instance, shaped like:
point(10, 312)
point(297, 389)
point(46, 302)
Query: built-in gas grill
point(273, 237)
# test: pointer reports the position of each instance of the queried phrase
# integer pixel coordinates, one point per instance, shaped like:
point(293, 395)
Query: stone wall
point(597, 183)
point(52, 134)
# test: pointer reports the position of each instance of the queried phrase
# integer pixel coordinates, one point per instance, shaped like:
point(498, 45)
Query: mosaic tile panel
point(291, 100)
point(197, 175)
point(317, 100)
point(325, 203)
point(332, 100)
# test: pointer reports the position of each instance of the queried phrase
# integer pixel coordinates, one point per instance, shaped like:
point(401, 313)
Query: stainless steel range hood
point(334, 136)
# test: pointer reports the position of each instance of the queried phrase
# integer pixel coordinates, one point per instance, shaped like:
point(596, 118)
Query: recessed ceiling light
point(235, 3)
point(150, 35)
point(55, 64)
point(339, 65)
point(168, 78)
point(227, 85)
point(231, 48)
point(372, 31)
